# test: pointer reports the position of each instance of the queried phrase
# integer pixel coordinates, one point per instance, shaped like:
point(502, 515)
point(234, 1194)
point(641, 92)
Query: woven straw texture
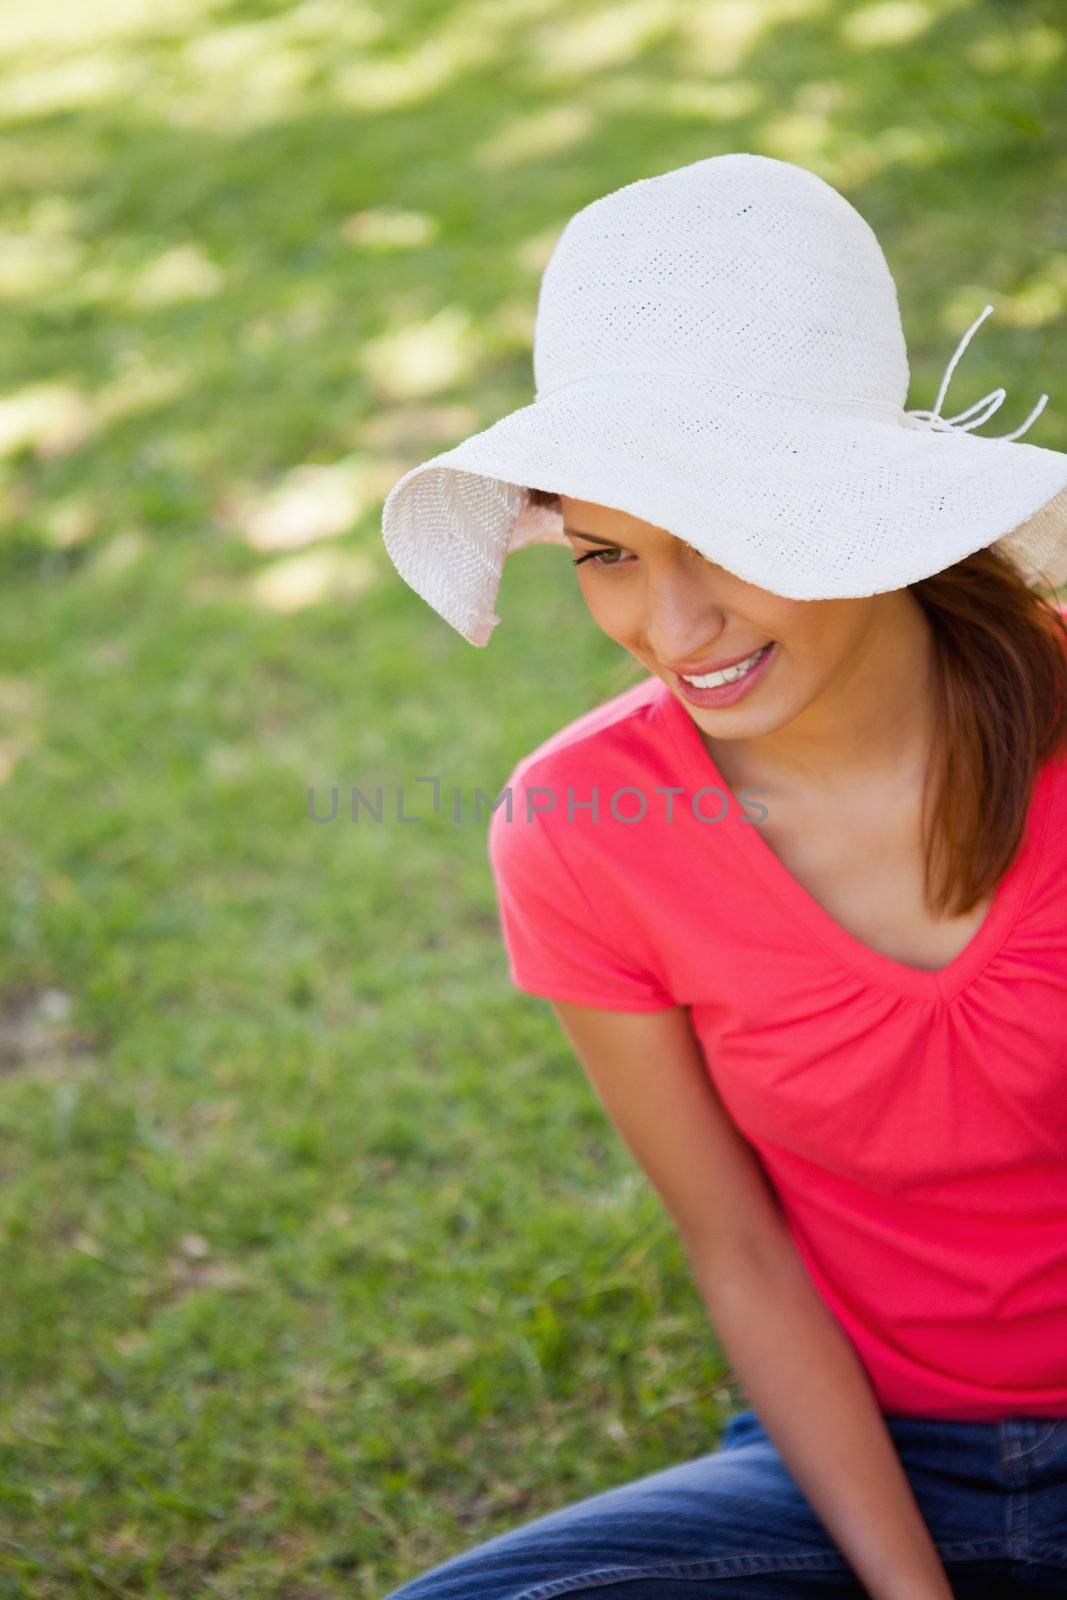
point(719, 352)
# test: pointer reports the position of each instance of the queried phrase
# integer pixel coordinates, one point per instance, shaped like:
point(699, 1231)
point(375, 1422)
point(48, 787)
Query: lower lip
point(728, 693)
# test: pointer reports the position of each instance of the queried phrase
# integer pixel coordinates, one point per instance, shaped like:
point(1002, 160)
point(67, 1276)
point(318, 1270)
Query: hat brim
point(810, 499)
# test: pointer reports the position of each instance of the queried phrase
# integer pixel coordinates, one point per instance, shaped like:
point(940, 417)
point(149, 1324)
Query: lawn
point(320, 1260)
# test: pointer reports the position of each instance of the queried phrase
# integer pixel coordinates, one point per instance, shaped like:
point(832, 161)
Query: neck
point(872, 723)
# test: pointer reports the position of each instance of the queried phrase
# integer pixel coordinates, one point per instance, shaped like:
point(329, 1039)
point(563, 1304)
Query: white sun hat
point(718, 351)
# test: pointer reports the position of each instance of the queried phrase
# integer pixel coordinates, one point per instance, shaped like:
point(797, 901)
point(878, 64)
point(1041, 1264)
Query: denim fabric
point(734, 1524)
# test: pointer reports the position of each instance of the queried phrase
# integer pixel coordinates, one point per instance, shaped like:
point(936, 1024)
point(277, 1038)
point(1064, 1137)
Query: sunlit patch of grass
point(1022, 49)
point(300, 581)
point(884, 23)
point(313, 501)
point(50, 418)
point(419, 358)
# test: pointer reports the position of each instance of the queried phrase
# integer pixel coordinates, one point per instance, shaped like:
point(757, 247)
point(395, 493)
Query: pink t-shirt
point(913, 1124)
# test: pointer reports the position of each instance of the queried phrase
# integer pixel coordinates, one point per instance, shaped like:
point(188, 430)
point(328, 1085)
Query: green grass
point(319, 1259)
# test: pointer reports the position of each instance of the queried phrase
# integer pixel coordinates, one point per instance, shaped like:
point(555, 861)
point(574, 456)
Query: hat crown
point(741, 268)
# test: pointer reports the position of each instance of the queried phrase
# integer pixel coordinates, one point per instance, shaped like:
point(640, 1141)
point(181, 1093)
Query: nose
point(683, 620)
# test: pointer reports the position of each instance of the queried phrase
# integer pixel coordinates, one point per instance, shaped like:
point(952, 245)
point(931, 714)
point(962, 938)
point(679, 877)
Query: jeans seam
point(1008, 1456)
point(1021, 1543)
point(1053, 1554)
point(710, 1567)
point(731, 1567)
point(1044, 1448)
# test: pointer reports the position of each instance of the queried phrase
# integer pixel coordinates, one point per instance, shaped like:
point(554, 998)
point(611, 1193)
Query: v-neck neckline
point(941, 983)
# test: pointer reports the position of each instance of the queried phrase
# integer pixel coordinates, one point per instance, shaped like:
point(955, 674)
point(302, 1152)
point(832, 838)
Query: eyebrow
point(576, 533)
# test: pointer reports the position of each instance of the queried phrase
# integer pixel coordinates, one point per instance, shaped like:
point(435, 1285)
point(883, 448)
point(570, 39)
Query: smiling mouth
point(715, 680)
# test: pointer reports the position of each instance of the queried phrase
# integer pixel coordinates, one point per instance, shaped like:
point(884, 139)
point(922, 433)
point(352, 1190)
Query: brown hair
point(1000, 676)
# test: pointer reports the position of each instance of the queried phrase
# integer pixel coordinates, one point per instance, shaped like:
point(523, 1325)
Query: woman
point(797, 897)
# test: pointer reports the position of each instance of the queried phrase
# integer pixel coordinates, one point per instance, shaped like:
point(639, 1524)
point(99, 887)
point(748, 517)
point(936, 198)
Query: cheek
point(809, 674)
point(611, 612)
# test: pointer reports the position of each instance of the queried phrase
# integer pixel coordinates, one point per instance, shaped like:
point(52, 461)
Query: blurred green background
point(319, 1259)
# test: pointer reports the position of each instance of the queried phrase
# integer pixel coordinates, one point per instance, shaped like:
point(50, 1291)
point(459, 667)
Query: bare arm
point(794, 1361)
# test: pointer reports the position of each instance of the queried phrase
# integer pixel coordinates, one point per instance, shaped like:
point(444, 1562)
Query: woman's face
point(674, 610)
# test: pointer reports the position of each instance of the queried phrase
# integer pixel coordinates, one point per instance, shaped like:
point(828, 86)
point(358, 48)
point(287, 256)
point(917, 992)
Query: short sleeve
point(557, 943)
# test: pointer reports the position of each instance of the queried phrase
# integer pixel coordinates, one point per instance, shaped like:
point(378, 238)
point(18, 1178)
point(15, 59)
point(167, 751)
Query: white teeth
point(712, 680)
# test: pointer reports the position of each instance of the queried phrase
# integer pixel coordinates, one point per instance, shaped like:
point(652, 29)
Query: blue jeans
point(734, 1524)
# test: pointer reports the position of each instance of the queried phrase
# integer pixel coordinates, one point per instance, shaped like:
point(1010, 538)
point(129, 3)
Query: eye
point(595, 555)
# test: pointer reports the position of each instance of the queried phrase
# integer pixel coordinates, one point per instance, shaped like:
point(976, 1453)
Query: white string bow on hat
point(991, 401)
